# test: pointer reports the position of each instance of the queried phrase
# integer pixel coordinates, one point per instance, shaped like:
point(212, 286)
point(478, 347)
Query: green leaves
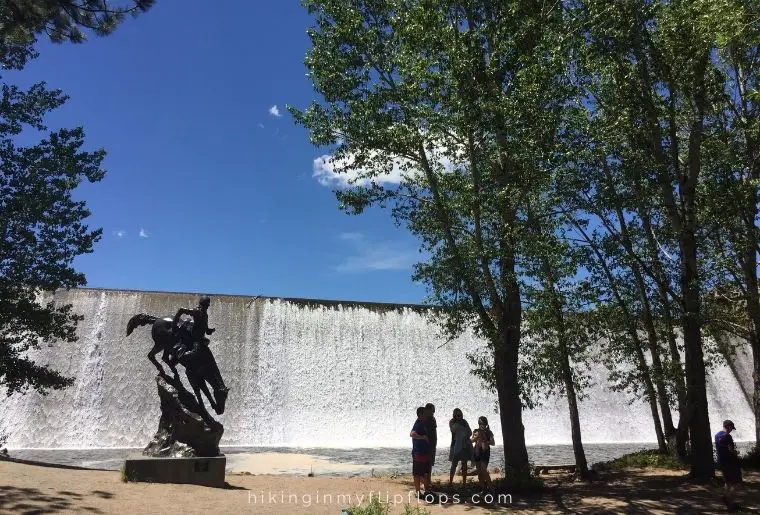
point(571, 157)
point(463, 102)
point(41, 231)
point(42, 228)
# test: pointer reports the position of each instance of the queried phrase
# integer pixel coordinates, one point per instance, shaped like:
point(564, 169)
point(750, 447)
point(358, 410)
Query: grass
point(641, 459)
point(378, 507)
point(518, 484)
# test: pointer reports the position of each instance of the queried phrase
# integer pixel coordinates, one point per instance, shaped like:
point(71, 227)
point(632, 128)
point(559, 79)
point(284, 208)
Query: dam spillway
point(306, 374)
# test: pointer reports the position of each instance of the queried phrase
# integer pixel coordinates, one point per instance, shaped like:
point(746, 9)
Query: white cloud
point(373, 256)
point(325, 169)
point(261, 126)
point(120, 233)
point(143, 233)
point(275, 111)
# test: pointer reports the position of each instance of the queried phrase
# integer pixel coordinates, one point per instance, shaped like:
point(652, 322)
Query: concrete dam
point(307, 374)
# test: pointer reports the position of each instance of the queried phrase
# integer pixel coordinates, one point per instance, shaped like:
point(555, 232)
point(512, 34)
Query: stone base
point(195, 471)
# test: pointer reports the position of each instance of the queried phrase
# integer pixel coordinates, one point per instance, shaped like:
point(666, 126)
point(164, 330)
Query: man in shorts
point(420, 456)
point(728, 461)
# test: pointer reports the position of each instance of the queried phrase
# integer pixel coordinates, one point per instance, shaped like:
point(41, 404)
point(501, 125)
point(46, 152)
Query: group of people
point(466, 445)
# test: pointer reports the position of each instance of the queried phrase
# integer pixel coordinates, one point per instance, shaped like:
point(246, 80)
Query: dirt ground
point(36, 489)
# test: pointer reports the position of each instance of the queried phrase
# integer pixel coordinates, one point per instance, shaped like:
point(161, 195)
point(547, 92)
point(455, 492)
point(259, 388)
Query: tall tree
point(558, 320)
point(464, 100)
point(42, 228)
point(622, 349)
point(656, 74)
point(733, 167)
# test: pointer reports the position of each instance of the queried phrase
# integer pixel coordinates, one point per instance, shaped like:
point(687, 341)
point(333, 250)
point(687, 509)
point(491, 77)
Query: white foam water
point(303, 374)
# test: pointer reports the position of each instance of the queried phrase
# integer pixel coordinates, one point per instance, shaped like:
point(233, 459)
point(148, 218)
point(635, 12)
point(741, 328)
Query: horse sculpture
point(200, 369)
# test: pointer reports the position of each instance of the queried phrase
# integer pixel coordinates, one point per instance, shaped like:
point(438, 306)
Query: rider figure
point(200, 327)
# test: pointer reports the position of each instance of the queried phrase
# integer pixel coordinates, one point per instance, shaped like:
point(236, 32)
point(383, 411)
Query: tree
point(622, 350)
point(558, 321)
point(63, 20)
point(42, 228)
point(608, 195)
point(656, 69)
point(464, 100)
point(733, 168)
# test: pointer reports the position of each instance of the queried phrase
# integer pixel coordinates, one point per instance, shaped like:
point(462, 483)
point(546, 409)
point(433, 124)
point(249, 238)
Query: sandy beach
point(287, 463)
point(36, 489)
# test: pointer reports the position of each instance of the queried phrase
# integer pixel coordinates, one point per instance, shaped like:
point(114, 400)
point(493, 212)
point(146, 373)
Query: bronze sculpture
point(184, 342)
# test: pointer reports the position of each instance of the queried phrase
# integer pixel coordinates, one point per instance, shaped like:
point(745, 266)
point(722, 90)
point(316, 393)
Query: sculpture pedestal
point(195, 471)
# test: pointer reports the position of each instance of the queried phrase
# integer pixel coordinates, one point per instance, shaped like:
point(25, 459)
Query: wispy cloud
point(275, 111)
point(373, 256)
point(120, 233)
point(143, 233)
point(261, 126)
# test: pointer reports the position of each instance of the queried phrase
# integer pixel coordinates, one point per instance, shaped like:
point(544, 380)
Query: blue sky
point(210, 188)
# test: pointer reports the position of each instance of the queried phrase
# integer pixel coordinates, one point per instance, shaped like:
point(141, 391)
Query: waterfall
point(303, 374)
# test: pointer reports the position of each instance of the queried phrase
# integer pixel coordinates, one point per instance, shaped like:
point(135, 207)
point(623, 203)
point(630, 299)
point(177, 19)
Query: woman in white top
point(461, 447)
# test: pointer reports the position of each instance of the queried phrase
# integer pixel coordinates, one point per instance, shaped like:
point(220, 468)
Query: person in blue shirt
point(728, 461)
point(420, 452)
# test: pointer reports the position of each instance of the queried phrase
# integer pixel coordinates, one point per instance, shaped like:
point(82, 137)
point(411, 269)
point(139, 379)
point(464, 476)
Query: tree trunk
point(678, 445)
point(749, 267)
point(651, 393)
point(755, 344)
point(676, 442)
point(749, 217)
point(659, 375)
point(641, 363)
point(581, 466)
point(753, 307)
point(506, 353)
point(652, 339)
point(510, 406)
point(702, 463)
point(756, 377)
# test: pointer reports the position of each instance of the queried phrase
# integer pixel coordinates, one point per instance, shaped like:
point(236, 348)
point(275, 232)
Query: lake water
point(362, 460)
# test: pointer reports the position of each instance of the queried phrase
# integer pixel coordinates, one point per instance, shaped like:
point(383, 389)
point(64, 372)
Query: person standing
point(483, 438)
point(431, 426)
point(728, 461)
point(461, 447)
point(420, 456)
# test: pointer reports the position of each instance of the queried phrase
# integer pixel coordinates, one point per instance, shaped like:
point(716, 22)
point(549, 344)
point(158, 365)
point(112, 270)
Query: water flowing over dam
point(306, 374)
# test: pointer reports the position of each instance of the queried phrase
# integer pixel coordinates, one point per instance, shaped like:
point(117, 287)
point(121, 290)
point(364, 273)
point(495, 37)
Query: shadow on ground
point(32, 500)
point(228, 486)
point(642, 492)
point(632, 491)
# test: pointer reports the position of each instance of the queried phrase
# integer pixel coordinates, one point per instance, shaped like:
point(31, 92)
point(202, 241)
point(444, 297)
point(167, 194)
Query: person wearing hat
point(728, 461)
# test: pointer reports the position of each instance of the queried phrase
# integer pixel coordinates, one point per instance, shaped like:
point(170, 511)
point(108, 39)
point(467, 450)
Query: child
point(483, 438)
